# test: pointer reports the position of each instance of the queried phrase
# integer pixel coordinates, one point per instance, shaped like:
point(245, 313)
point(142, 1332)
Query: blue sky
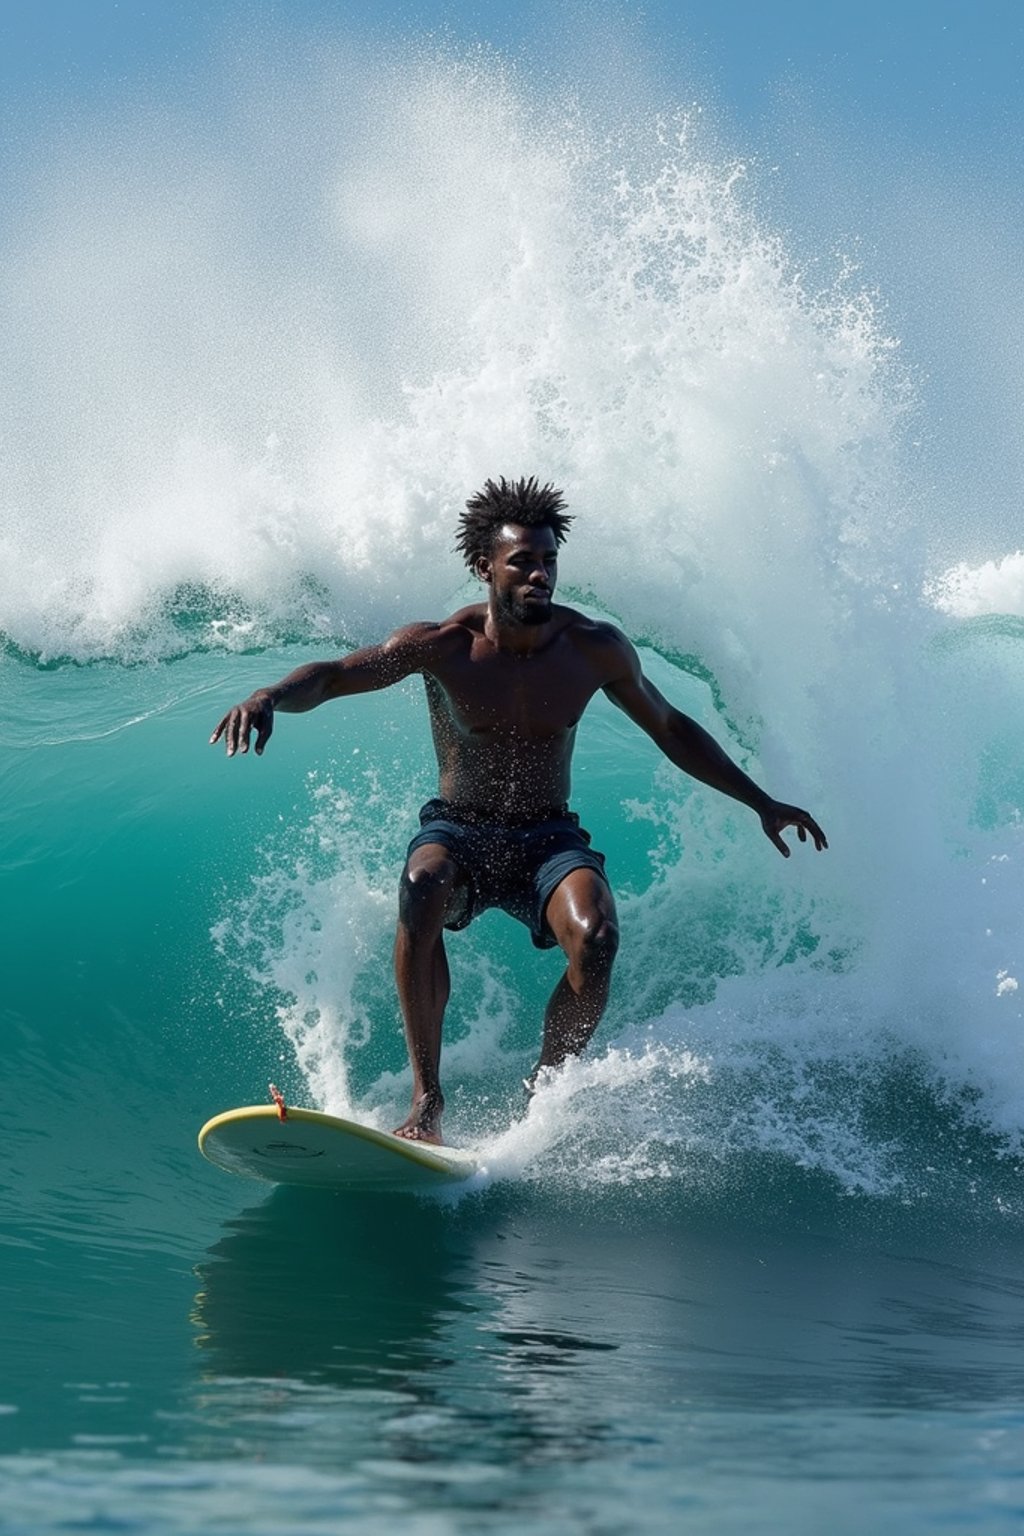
point(944, 72)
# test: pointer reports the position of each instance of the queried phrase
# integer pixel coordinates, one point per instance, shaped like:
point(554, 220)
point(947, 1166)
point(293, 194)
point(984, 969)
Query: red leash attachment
point(278, 1098)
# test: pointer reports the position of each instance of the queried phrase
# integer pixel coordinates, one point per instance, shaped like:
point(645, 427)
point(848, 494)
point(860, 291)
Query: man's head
point(521, 502)
point(521, 572)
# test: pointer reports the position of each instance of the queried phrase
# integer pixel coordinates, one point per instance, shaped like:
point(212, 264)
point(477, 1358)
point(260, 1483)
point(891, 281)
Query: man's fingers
point(237, 727)
point(790, 816)
point(820, 840)
point(808, 824)
point(238, 730)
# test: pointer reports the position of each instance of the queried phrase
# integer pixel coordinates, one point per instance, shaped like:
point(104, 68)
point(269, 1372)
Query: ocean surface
point(754, 1264)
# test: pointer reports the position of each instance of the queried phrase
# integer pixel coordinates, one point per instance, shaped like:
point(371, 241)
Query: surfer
point(506, 683)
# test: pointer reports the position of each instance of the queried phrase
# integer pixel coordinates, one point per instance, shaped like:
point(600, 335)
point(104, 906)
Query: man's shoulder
point(467, 620)
point(436, 637)
point(595, 634)
point(602, 645)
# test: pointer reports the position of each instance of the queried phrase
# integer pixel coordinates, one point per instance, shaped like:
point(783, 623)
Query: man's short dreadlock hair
point(509, 501)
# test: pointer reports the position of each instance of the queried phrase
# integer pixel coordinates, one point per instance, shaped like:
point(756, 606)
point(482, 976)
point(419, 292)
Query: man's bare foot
point(424, 1120)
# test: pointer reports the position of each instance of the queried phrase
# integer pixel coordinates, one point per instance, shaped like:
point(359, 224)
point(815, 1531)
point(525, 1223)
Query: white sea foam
point(968, 591)
point(468, 284)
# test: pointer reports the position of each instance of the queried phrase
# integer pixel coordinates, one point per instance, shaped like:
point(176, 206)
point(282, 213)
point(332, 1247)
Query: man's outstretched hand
point(776, 817)
point(255, 714)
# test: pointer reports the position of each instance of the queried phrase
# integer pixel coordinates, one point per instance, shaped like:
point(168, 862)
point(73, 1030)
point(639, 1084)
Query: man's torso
point(504, 723)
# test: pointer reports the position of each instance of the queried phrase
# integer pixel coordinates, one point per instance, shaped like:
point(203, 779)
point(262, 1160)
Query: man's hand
point(776, 816)
point(257, 713)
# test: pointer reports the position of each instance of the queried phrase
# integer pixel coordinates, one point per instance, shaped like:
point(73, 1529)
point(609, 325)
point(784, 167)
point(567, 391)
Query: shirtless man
point(506, 682)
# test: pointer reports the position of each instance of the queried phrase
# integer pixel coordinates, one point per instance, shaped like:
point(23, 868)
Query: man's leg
point(581, 915)
point(429, 881)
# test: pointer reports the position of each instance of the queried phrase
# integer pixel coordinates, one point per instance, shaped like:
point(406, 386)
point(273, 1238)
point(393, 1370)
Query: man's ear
point(482, 567)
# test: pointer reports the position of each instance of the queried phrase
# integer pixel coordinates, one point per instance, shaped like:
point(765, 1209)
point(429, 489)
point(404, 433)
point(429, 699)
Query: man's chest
point(536, 696)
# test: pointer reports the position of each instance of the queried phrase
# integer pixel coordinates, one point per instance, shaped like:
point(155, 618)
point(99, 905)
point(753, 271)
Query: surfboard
point(311, 1148)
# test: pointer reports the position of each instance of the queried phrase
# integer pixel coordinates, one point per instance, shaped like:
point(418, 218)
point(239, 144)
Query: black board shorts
point(516, 868)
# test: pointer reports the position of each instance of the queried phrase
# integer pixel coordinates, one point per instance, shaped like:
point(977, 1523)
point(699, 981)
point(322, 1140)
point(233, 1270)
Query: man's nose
point(539, 577)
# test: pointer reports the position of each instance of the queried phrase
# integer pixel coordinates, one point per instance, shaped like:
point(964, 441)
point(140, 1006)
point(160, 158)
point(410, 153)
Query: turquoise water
point(661, 1309)
point(753, 1264)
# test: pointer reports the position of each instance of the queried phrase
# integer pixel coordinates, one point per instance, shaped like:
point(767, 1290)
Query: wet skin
point(507, 682)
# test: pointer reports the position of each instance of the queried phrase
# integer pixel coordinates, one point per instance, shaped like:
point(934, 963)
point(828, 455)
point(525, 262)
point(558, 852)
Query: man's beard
point(522, 612)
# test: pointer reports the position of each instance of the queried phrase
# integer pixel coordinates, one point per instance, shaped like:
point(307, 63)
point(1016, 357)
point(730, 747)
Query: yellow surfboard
point(311, 1148)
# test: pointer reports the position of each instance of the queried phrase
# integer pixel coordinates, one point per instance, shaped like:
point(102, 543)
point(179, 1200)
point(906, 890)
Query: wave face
point(253, 371)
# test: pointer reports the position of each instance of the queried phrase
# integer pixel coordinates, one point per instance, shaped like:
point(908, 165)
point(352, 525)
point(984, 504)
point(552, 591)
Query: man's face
point(522, 573)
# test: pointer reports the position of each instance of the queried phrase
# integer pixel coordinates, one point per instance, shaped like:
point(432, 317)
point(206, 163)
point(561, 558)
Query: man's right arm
point(363, 671)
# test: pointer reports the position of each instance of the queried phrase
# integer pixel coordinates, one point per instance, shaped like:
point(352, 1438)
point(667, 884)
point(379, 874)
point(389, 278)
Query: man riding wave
point(507, 681)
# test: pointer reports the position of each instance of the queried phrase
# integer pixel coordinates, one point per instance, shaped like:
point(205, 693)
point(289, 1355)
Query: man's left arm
point(690, 747)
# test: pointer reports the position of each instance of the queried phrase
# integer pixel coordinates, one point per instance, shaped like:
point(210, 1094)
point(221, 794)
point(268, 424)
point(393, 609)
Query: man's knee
point(425, 891)
point(593, 943)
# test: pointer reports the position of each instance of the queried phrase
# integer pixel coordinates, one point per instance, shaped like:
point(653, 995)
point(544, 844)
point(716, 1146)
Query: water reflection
point(330, 1289)
point(372, 1330)
point(398, 1339)
point(326, 1289)
point(511, 1353)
